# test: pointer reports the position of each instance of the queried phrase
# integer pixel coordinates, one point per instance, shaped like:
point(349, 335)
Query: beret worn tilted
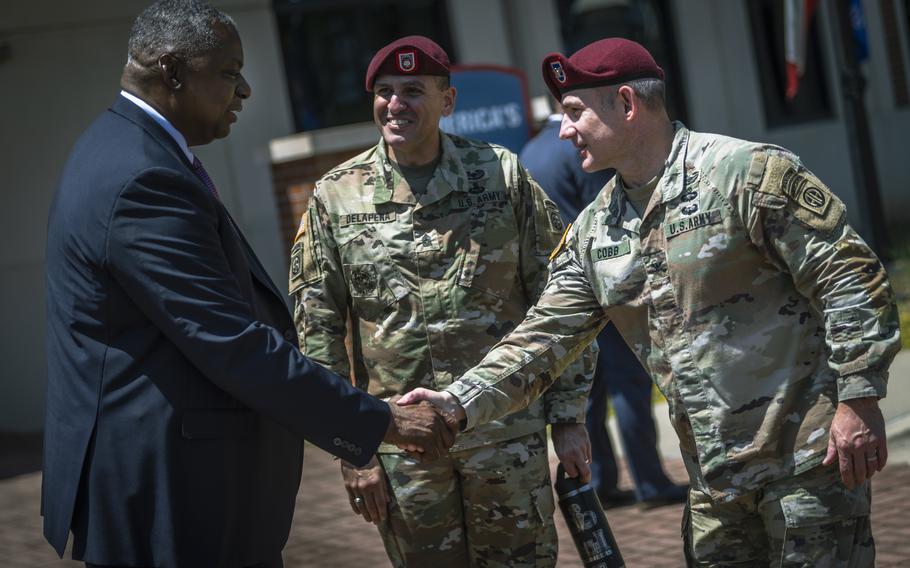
point(411, 55)
point(608, 61)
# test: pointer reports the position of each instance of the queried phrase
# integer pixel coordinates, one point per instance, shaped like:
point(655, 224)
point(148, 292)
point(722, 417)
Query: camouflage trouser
point(811, 519)
point(486, 507)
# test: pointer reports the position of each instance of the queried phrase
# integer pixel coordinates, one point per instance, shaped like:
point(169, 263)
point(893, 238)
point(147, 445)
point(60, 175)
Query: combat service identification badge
point(558, 71)
point(364, 280)
point(407, 61)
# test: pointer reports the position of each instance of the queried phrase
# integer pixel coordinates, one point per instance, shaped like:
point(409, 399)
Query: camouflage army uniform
point(431, 283)
point(751, 302)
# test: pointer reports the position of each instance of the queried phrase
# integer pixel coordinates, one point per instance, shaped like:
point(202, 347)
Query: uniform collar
point(391, 186)
point(672, 182)
point(618, 211)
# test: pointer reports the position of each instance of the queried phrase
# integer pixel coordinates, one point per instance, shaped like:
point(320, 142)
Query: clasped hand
point(421, 429)
point(570, 440)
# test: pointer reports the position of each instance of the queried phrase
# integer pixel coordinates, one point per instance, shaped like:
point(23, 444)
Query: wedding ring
point(358, 500)
point(872, 458)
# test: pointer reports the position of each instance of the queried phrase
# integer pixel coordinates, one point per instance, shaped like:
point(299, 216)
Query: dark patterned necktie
point(204, 176)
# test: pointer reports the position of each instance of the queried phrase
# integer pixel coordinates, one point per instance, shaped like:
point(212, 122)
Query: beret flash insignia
point(558, 71)
point(407, 61)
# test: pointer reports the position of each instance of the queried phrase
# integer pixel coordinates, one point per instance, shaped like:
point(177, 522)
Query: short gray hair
point(182, 27)
point(652, 92)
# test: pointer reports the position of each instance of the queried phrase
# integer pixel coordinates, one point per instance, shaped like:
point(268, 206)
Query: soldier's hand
point(857, 440)
point(573, 448)
point(367, 492)
point(444, 401)
point(420, 429)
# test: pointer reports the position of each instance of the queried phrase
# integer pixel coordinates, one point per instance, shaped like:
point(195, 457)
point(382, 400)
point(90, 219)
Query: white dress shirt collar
point(165, 124)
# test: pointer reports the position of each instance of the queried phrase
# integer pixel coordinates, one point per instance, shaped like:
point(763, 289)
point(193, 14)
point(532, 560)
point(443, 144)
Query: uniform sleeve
point(540, 232)
point(316, 282)
point(524, 364)
point(801, 227)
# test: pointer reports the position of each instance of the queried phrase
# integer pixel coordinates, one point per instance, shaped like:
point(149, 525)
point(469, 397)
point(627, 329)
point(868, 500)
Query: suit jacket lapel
point(135, 114)
point(256, 268)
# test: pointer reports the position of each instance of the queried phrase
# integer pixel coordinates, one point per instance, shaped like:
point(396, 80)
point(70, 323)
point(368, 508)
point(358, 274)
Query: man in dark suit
point(177, 397)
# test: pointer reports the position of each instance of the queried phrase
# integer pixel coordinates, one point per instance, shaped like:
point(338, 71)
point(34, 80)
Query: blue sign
point(491, 105)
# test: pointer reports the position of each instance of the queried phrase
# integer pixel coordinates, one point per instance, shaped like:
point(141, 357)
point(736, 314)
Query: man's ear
point(628, 100)
point(448, 105)
point(170, 71)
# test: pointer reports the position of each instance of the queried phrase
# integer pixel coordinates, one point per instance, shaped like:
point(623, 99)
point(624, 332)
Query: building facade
point(60, 63)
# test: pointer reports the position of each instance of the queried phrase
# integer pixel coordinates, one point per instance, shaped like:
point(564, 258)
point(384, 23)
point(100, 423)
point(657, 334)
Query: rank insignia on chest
point(685, 224)
point(364, 280)
point(610, 252)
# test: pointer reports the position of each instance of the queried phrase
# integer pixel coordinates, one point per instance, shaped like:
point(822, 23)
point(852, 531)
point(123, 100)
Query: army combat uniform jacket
point(431, 282)
point(742, 290)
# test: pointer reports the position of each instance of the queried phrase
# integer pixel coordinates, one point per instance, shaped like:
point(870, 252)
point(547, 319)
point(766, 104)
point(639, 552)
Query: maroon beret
point(608, 61)
point(411, 55)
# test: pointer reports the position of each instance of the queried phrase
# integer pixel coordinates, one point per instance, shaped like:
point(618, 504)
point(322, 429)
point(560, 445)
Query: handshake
point(424, 422)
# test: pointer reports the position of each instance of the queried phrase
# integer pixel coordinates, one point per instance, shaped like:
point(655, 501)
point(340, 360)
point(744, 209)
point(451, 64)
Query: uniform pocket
point(491, 259)
point(803, 509)
point(373, 281)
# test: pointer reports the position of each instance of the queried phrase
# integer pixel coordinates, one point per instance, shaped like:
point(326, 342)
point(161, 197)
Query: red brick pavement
point(326, 534)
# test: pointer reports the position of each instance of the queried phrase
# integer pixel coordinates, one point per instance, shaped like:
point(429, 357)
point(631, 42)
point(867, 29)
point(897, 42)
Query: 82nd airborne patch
point(810, 201)
point(296, 261)
point(800, 189)
point(556, 224)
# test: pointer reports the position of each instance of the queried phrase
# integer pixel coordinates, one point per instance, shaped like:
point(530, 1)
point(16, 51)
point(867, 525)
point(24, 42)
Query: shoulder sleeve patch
point(553, 216)
point(807, 198)
point(306, 261)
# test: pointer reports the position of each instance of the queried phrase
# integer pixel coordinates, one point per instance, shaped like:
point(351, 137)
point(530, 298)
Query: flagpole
point(859, 141)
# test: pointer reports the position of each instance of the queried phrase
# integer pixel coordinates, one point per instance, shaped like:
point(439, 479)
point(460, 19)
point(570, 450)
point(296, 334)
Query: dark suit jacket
point(177, 398)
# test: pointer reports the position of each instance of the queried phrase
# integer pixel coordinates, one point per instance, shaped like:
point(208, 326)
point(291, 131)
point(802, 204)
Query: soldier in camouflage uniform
point(436, 246)
point(765, 320)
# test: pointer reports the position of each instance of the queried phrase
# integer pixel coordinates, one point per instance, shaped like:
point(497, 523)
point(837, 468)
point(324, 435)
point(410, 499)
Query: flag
point(797, 16)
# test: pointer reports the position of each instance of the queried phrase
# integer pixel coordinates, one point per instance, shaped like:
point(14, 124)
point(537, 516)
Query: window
point(328, 44)
point(812, 101)
point(644, 21)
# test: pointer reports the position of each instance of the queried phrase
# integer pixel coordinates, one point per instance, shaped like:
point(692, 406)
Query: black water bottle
point(587, 522)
